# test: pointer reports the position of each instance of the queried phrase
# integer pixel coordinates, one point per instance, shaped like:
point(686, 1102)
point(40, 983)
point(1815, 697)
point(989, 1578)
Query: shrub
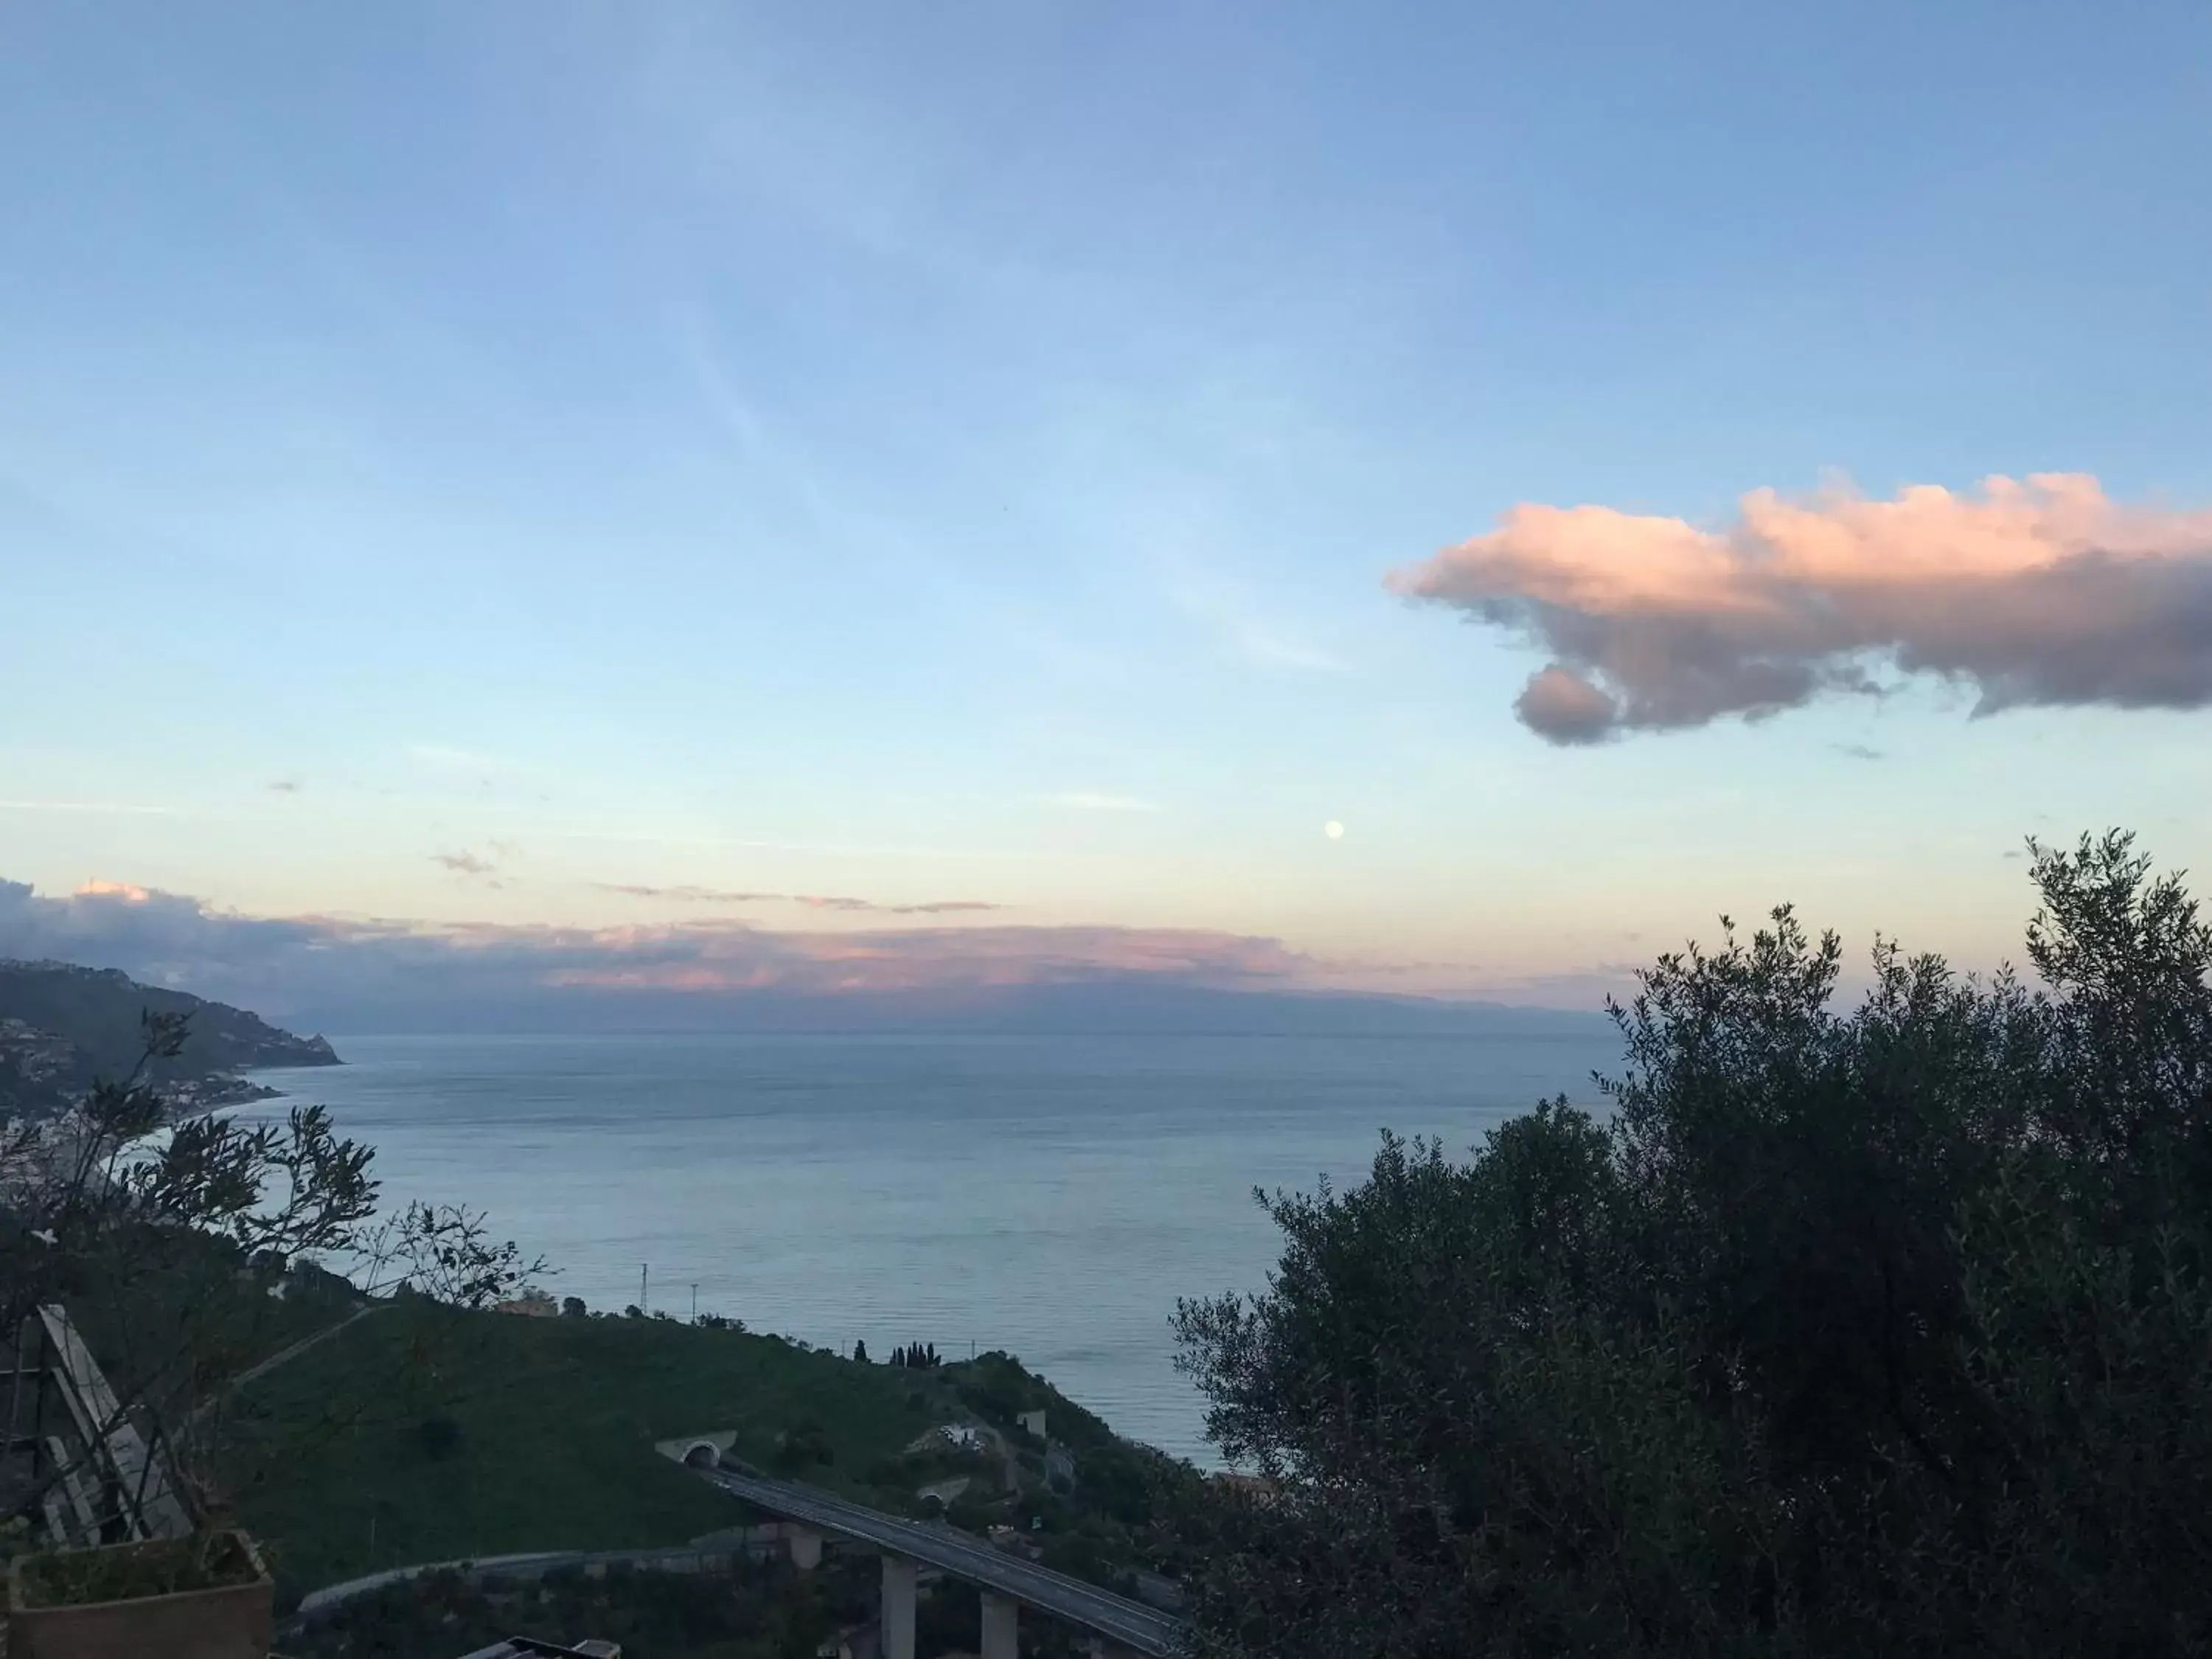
point(803, 1446)
point(1886, 1331)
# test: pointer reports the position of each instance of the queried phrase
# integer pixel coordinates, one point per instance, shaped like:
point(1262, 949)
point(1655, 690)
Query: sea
point(1051, 1196)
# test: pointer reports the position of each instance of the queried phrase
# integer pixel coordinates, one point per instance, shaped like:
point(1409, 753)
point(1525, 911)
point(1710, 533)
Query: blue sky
point(955, 453)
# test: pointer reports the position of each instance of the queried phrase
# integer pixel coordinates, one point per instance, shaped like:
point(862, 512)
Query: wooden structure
point(69, 1437)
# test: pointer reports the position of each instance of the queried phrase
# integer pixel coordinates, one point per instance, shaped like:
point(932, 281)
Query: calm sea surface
point(1049, 1195)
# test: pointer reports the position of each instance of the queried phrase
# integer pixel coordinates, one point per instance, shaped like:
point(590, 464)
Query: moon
point(1333, 829)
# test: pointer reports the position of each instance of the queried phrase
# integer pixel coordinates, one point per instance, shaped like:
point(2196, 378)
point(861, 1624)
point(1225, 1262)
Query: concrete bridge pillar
point(1001, 1627)
point(805, 1547)
point(898, 1607)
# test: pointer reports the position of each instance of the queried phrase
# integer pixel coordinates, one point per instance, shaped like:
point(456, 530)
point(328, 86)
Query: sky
point(981, 490)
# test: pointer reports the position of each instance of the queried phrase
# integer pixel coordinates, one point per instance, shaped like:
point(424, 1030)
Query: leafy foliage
point(1878, 1331)
point(129, 1571)
point(184, 1245)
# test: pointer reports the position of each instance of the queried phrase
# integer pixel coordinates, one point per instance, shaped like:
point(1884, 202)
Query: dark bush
point(805, 1445)
point(970, 1512)
point(1880, 1332)
point(439, 1437)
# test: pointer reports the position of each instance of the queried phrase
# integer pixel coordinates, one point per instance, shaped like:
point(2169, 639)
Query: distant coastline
point(1111, 1007)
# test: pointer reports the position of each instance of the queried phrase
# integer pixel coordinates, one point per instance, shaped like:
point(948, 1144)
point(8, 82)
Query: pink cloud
point(708, 956)
point(2040, 591)
point(688, 895)
point(127, 892)
point(277, 963)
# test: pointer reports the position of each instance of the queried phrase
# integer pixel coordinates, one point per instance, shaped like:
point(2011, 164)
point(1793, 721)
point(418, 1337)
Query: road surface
point(1117, 1618)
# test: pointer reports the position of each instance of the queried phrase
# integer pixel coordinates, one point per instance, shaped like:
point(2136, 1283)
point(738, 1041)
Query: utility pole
point(695, 1302)
point(644, 1300)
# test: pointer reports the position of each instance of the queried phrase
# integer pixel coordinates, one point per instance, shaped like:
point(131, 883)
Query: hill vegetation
point(424, 1433)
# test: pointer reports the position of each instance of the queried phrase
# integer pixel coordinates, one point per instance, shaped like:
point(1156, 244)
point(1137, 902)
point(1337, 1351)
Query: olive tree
point(1877, 1328)
point(167, 1238)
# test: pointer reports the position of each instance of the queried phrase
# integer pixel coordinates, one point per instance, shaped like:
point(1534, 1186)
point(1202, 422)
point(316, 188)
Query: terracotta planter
point(227, 1621)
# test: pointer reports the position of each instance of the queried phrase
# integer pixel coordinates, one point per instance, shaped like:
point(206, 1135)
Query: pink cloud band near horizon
point(279, 964)
point(291, 961)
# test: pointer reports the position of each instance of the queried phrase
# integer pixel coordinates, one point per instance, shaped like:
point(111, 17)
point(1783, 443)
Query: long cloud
point(688, 895)
point(2040, 591)
point(277, 965)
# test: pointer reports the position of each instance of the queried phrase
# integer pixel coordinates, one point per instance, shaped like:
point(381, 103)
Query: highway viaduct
point(1116, 1625)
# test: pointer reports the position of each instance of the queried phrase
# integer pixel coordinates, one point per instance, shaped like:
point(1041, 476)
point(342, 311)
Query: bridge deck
point(1130, 1623)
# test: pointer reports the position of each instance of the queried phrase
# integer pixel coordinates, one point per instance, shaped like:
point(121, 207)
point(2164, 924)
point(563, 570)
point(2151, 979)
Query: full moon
point(1333, 829)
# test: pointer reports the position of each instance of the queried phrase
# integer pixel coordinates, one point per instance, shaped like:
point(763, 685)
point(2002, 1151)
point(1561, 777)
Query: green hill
point(446, 1435)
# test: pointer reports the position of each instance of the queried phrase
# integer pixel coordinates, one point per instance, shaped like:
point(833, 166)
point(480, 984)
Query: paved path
point(1132, 1624)
point(312, 1339)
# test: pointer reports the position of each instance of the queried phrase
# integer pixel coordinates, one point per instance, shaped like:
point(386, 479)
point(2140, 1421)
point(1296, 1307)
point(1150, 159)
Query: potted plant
point(204, 1597)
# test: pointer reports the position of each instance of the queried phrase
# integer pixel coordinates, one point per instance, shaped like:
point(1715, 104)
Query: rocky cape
point(63, 1028)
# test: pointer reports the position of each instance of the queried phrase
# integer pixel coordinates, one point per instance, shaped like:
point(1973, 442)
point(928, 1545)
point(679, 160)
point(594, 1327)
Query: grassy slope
point(557, 1419)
